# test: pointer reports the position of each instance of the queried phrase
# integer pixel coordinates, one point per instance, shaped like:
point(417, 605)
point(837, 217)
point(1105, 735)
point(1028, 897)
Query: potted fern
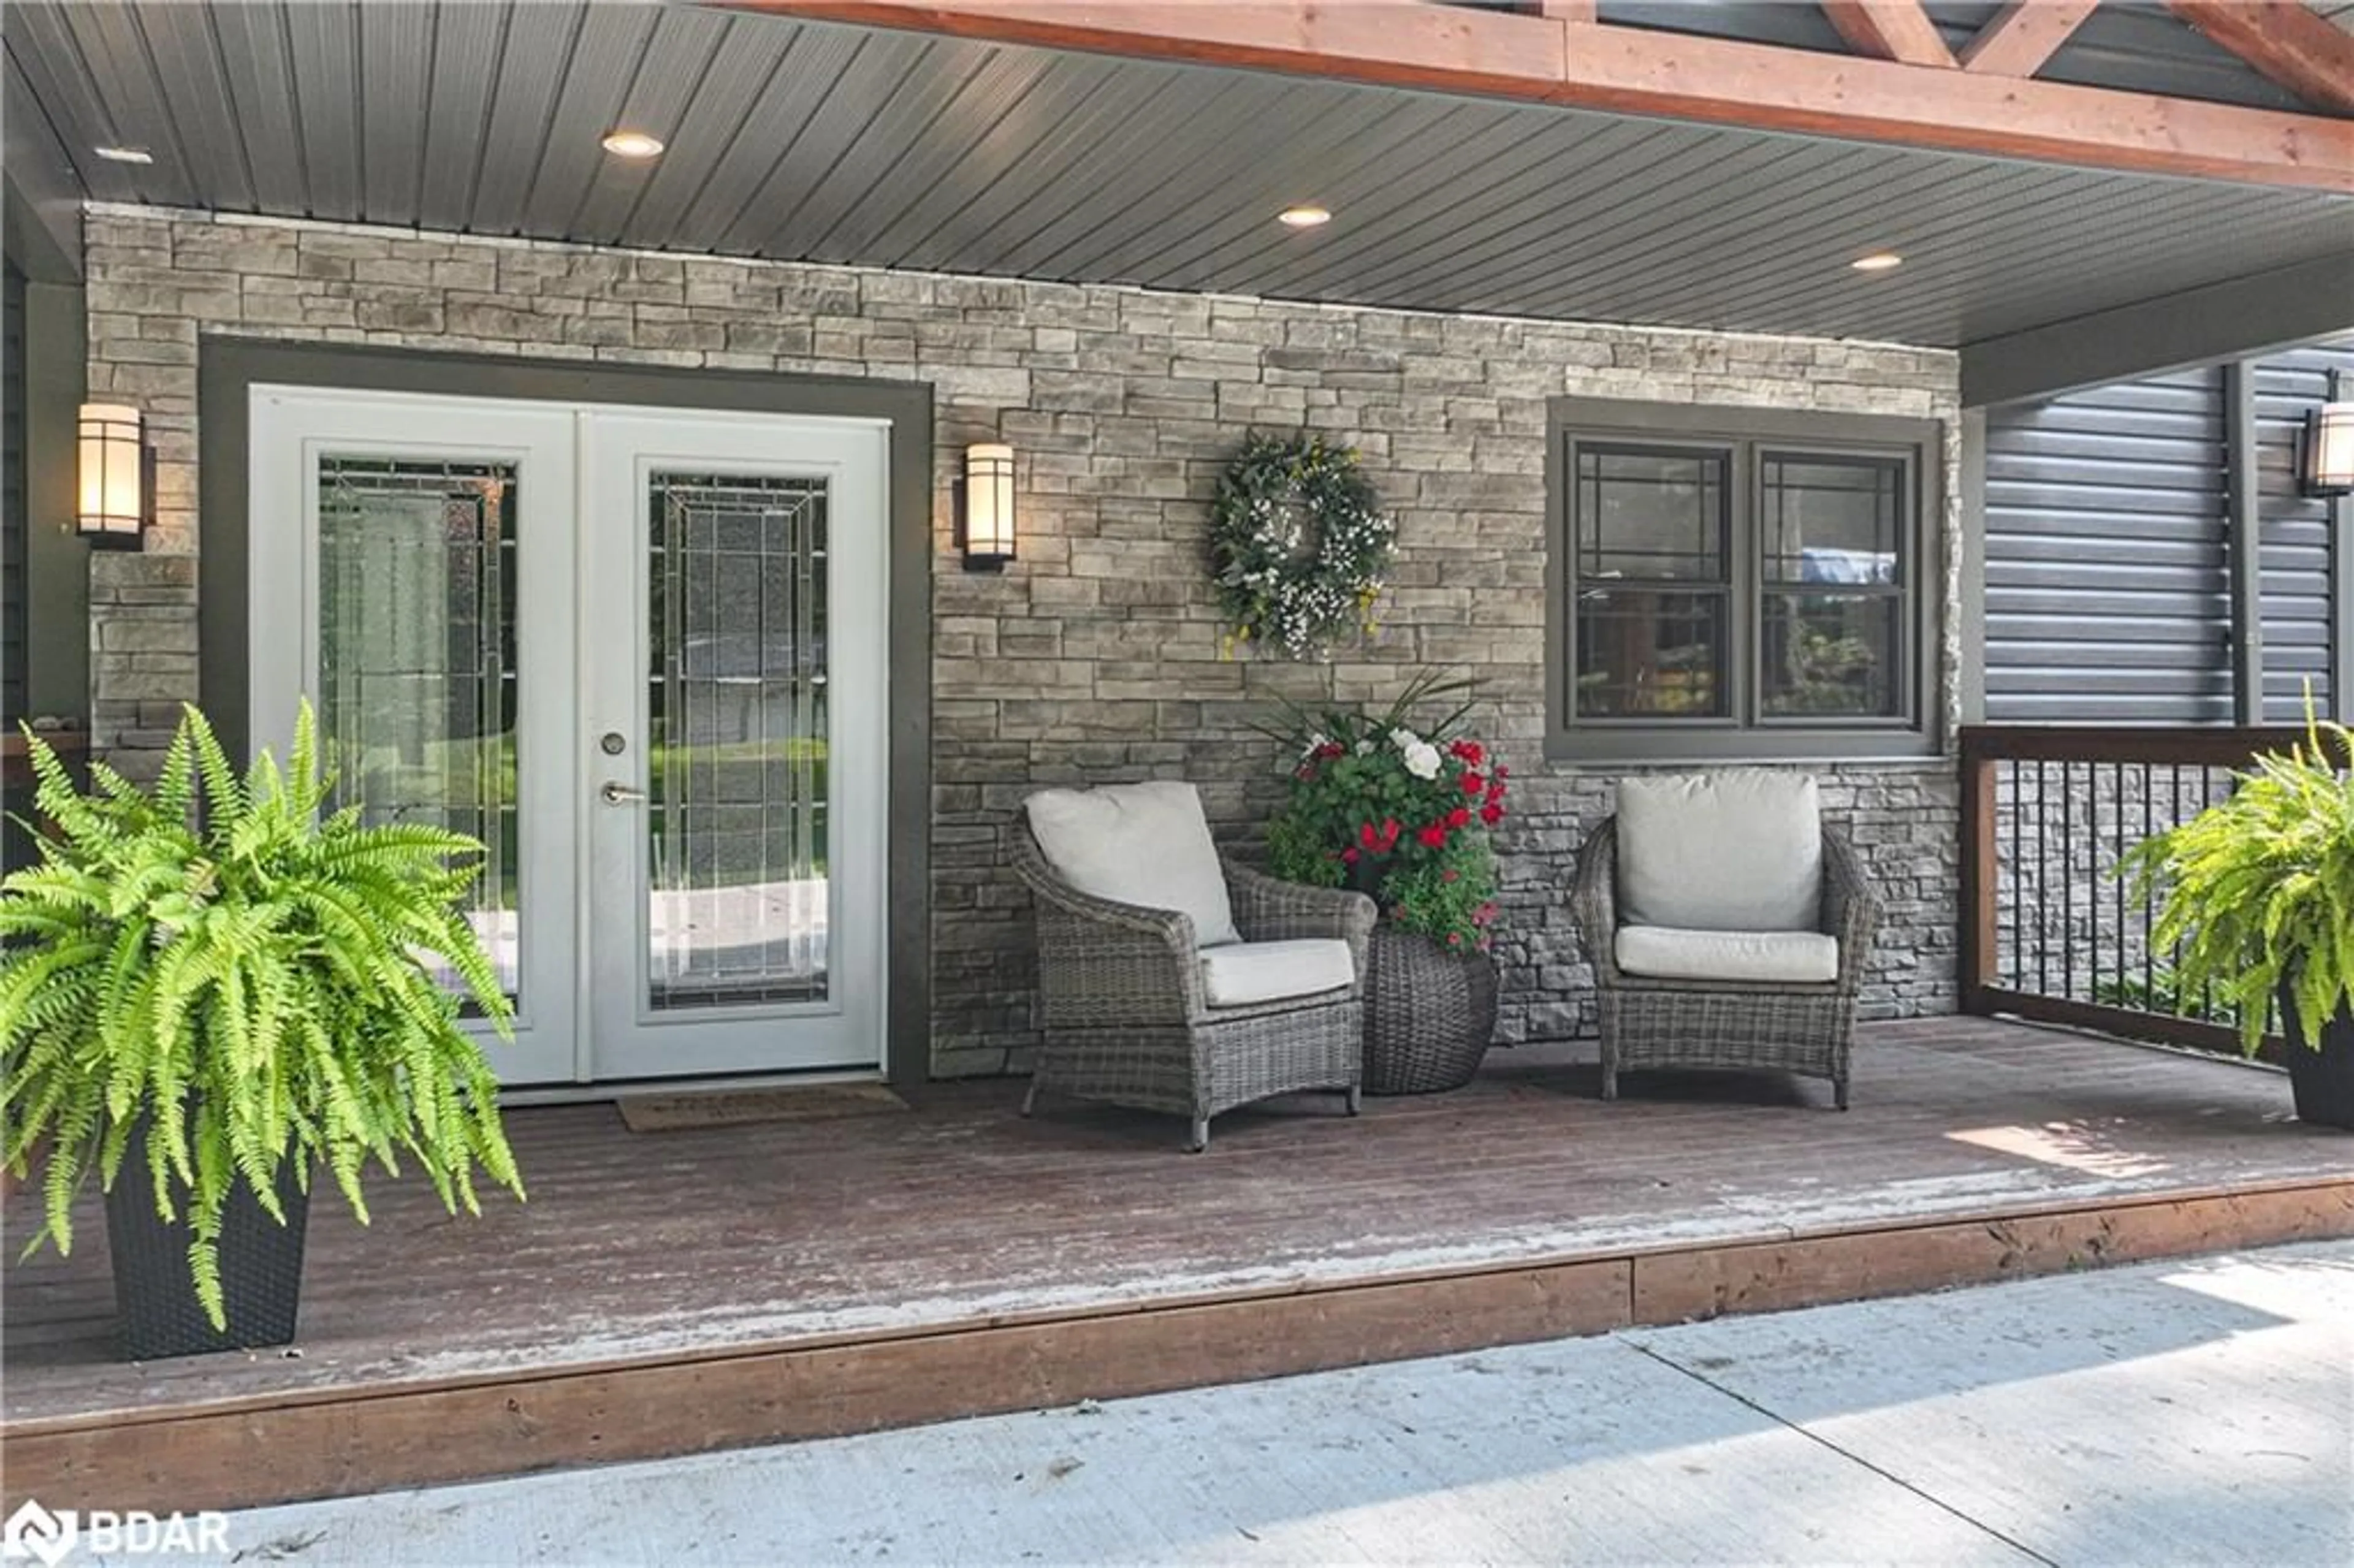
point(2258, 891)
point(212, 990)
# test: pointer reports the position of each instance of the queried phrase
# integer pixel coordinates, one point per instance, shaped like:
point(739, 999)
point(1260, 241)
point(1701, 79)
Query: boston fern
point(215, 958)
point(2258, 889)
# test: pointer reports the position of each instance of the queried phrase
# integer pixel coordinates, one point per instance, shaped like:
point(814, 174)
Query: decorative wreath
point(1299, 543)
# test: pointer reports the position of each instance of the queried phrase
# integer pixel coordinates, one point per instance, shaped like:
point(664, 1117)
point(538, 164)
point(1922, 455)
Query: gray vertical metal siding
point(2107, 592)
point(14, 523)
point(2295, 530)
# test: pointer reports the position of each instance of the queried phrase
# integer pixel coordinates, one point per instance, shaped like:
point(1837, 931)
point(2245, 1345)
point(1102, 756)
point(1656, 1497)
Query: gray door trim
point(228, 367)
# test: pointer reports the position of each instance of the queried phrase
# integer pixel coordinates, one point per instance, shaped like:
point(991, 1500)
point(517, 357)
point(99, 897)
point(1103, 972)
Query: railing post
point(1981, 878)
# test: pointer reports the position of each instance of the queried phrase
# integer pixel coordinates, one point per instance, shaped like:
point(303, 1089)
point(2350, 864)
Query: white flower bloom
point(1365, 746)
point(1422, 759)
point(1405, 739)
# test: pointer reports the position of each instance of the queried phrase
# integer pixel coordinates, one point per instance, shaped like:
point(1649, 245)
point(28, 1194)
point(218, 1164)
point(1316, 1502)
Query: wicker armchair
point(1645, 1021)
point(1128, 1018)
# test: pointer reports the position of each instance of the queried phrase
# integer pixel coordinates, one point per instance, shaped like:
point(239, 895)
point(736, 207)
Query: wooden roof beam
point(2285, 41)
point(1896, 30)
point(1627, 71)
point(2024, 34)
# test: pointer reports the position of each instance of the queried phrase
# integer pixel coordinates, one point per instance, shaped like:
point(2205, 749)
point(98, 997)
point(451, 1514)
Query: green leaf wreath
point(215, 956)
point(1298, 544)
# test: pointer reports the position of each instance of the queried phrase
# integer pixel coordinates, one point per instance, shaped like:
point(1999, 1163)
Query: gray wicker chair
point(1793, 1028)
point(1126, 1019)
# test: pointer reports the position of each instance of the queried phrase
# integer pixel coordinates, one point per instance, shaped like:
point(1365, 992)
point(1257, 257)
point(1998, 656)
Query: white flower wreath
point(1275, 583)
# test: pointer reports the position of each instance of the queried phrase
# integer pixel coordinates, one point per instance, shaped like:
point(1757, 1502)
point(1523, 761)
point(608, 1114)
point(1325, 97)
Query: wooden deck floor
point(1522, 1205)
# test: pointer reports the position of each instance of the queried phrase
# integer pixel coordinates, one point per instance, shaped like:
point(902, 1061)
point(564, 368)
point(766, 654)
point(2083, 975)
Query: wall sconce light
point(987, 507)
point(2327, 468)
point(115, 474)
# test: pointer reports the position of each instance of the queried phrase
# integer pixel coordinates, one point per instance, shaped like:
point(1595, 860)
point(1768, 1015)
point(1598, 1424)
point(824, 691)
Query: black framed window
point(1654, 581)
point(1732, 582)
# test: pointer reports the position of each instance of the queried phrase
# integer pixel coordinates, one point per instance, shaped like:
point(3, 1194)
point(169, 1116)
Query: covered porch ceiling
point(1099, 144)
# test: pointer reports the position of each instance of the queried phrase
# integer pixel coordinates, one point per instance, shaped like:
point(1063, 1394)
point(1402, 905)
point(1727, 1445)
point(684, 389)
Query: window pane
point(1646, 512)
point(1648, 652)
point(417, 661)
point(741, 801)
point(1833, 520)
point(1831, 655)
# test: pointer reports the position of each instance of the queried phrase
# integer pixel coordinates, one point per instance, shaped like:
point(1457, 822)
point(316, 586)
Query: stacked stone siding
point(1096, 657)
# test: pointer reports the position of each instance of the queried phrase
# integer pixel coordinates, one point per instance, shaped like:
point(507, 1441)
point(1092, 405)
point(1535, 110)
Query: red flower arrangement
point(1398, 813)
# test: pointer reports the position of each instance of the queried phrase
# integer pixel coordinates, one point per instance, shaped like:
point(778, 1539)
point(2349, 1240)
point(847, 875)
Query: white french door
point(733, 700)
point(641, 655)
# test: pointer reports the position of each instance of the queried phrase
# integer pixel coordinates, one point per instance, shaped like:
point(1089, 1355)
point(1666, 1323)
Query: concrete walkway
point(2198, 1412)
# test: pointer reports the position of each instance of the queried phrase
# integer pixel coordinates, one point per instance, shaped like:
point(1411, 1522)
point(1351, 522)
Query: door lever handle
point(619, 794)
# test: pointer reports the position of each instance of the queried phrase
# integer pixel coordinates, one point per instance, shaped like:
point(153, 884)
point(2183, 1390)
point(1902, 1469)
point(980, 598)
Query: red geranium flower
point(1451, 874)
point(1435, 836)
point(1460, 818)
point(1481, 915)
point(1469, 751)
point(1349, 855)
point(1329, 750)
point(1365, 835)
point(1472, 783)
point(1491, 814)
point(1390, 830)
point(1495, 792)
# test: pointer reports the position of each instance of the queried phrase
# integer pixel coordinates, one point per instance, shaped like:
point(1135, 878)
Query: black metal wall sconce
point(2325, 465)
point(117, 474)
point(987, 507)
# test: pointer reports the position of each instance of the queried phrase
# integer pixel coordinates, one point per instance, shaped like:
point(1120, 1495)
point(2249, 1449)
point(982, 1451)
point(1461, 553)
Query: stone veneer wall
point(1096, 657)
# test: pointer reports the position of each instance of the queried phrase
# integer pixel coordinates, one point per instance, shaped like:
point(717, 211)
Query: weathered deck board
point(782, 1277)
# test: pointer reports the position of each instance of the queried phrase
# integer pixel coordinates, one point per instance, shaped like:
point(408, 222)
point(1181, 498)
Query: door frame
point(227, 368)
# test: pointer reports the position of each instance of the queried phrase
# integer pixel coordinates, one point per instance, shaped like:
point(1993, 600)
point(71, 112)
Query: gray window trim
point(1920, 443)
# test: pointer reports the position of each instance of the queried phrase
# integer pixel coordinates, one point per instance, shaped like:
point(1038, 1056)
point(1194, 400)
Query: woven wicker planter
point(1429, 1014)
point(155, 1299)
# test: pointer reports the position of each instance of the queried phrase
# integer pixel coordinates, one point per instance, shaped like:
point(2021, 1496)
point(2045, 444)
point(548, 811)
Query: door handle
point(620, 794)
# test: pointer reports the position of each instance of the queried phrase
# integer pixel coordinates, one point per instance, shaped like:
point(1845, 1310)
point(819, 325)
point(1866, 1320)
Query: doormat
point(816, 1102)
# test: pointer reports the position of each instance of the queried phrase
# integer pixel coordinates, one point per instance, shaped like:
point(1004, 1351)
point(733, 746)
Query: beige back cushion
point(1137, 843)
point(1740, 849)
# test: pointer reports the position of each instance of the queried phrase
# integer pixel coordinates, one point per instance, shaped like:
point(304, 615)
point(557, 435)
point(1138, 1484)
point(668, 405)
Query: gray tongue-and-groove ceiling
point(824, 143)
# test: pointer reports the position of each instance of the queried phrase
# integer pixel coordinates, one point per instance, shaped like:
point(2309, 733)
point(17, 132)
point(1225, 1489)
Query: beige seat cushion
point(1738, 849)
point(1245, 973)
point(1145, 844)
point(1772, 958)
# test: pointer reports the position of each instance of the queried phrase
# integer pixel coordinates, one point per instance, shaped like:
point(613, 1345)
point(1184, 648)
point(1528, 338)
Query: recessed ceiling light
point(126, 155)
point(1878, 261)
point(1303, 217)
point(633, 144)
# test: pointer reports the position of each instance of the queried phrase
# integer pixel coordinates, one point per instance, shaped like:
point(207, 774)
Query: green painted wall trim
point(228, 367)
point(57, 563)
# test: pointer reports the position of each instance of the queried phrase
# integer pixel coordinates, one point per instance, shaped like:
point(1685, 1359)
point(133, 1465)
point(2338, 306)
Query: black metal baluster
point(2067, 879)
point(2148, 903)
point(2042, 881)
point(2018, 877)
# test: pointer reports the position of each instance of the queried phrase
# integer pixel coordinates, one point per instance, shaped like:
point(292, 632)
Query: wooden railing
point(2048, 931)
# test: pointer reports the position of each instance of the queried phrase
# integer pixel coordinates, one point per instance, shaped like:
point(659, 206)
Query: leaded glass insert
point(416, 661)
point(737, 783)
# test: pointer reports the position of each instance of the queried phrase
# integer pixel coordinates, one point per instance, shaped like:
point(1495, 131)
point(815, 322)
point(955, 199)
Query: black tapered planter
point(2321, 1082)
point(155, 1296)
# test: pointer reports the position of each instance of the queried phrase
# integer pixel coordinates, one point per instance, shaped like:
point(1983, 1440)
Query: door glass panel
point(736, 776)
point(416, 661)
